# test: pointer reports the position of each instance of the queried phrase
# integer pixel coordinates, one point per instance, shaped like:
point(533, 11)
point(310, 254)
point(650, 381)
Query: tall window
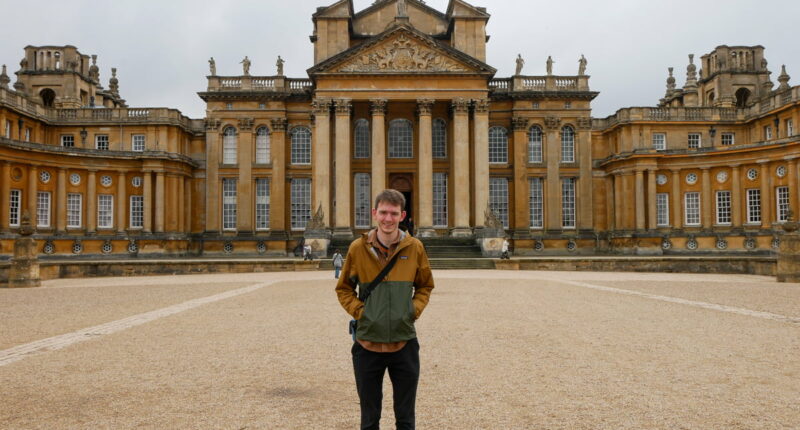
point(535, 154)
point(662, 209)
point(728, 139)
point(137, 212)
point(767, 132)
point(568, 203)
point(228, 204)
point(67, 140)
point(401, 139)
point(782, 202)
point(440, 199)
point(536, 205)
point(43, 209)
point(301, 203)
point(498, 145)
point(694, 140)
point(101, 142)
point(659, 141)
point(105, 211)
point(15, 200)
point(567, 145)
point(789, 127)
point(262, 204)
point(754, 206)
point(692, 205)
point(229, 150)
point(498, 198)
point(361, 199)
point(301, 145)
point(439, 138)
point(137, 143)
point(723, 207)
point(361, 139)
point(27, 134)
point(262, 145)
point(74, 205)
point(7, 132)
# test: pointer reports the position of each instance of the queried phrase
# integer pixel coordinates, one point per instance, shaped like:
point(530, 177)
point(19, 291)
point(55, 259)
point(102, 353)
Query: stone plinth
point(24, 270)
point(788, 269)
point(491, 247)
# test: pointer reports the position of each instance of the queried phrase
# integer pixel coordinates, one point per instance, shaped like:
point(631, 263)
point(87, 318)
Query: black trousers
point(403, 369)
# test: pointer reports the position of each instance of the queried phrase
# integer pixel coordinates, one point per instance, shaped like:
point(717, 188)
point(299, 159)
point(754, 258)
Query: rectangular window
point(536, 202)
point(43, 209)
point(440, 199)
point(498, 198)
point(782, 201)
point(7, 132)
point(262, 204)
point(361, 199)
point(789, 127)
point(67, 140)
point(754, 206)
point(137, 143)
point(105, 211)
point(229, 145)
point(568, 202)
point(137, 212)
point(692, 205)
point(728, 139)
point(229, 204)
point(723, 207)
point(767, 132)
point(694, 140)
point(27, 134)
point(101, 142)
point(301, 203)
point(74, 209)
point(662, 209)
point(15, 200)
point(659, 141)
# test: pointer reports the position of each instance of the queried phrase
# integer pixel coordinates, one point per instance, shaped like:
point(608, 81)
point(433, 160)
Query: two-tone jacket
point(390, 310)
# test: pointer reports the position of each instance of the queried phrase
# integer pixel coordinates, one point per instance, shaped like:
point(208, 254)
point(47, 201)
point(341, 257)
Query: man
point(338, 262)
point(385, 335)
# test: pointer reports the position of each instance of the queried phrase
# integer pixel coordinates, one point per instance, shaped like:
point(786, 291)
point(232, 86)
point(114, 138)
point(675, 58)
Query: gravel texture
point(499, 350)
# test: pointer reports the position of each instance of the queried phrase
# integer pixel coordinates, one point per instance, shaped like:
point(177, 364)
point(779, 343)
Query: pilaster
point(736, 196)
point(793, 187)
point(60, 211)
point(122, 200)
point(160, 199)
point(585, 187)
point(147, 200)
point(640, 221)
point(277, 183)
point(321, 175)
point(481, 159)
point(212, 212)
point(425, 168)
point(91, 202)
point(706, 208)
point(244, 183)
point(343, 176)
point(652, 219)
point(33, 190)
point(460, 168)
point(521, 190)
point(553, 183)
point(5, 192)
point(677, 199)
point(766, 195)
point(378, 177)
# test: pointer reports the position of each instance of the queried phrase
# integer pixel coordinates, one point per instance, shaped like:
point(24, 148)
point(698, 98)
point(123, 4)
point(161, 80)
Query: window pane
point(498, 198)
point(362, 200)
point(498, 145)
point(301, 145)
point(754, 206)
point(262, 204)
point(101, 142)
point(659, 141)
point(74, 203)
point(401, 139)
point(439, 138)
point(662, 209)
point(535, 145)
point(536, 202)
point(782, 199)
point(229, 204)
point(138, 143)
point(723, 207)
point(362, 139)
point(567, 145)
point(15, 199)
point(229, 146)
point(568, 202)
point(137, 212)
point(262, 146)
point(43, 209)
point(440, 199)
point(301, 202)
point(105, 211)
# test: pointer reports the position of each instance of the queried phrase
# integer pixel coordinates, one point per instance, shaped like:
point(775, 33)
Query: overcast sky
point(161, 47)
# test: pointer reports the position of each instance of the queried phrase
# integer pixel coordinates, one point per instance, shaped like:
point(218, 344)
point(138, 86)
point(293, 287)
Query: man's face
point(388, 216)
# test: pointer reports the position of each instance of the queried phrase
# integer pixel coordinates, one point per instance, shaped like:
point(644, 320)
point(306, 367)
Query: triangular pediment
point(402, 50)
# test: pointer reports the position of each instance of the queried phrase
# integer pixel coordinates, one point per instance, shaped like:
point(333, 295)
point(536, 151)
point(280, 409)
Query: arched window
point(48, 97)
point(362, 140)
point(229, 144)
point(401, 139)
point(567, 144)
point(535, 145)
point(301, 145)
point(498, 145)
point(742, 97)
point(439, 138)
point(262, 145)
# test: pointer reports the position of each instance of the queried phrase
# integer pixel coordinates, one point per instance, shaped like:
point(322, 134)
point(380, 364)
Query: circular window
point(16, 173)
point(781, 171)
point(107, 247)
point(44, 176)
point(228, 248)
point(722, 244)
point(77, 248)
point(74, 179)
point(750, 243)
point(776, 243)
point(136, 181)
point(691, 178)
point(666, 244)
point(106, 180)
point(722, 177)
point(133, 248)
point(538, 245)
point(261, 247)
point(49, 248)
point(571, 246)
point(752, 174)
point(661, 179)
point(691, 244)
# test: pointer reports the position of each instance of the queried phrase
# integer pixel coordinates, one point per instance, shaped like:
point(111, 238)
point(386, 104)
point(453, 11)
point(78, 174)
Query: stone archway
point(48, 97)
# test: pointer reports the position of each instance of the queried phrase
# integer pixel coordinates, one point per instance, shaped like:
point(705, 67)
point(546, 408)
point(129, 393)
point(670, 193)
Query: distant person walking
point(338, 262)
point(504, 250)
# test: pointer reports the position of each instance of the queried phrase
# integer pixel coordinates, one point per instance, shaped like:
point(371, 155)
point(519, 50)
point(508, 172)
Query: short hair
point(393, 197)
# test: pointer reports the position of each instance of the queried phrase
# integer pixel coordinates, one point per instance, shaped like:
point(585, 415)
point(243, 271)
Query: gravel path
point(499, 350)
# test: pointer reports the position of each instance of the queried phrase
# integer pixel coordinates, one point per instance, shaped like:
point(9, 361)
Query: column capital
point(460, 105)
point(481, 105)
point(321, 106)
point(518, 123)
point(279, 124)
point(552, 122)
point(343, 106)
point(246, 124)
point(425, 106)
point(378, 106)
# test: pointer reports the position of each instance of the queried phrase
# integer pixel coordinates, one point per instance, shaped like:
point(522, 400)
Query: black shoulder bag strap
point(371, 286)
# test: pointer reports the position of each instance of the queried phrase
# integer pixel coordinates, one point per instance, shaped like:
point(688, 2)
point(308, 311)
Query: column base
point(426, 232)
point(461, 232)
point(343, 233)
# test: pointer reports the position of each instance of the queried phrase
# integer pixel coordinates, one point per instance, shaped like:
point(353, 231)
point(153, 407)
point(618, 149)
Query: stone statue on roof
point(582, 66)
point(279, 64)
point(401, 9)
point(245, 65)
point(520, 63)
point(550, 65)
point(212, 65)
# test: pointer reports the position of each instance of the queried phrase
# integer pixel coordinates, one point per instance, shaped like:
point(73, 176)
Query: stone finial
point(783, 78)
point(670, 82)
point(691, 73)
point(94, 71)
point(23, 64)
point(4, 79)
point(113, 83)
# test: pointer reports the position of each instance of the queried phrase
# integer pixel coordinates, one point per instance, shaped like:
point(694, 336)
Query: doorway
point(403, 182)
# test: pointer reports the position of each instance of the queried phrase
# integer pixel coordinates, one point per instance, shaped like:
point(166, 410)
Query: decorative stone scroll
point(212, 124)
point(424, 106)
point(246, 124)
point(460, 105)
point(343, 107)
point(552, 122)
point(481, 105)
point(279, 124)
point(519, 123)
point(401, 55)
point(321, 106)
point(378, 106)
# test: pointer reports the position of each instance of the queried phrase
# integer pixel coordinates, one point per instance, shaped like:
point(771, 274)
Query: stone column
point(677, 199)
point(277, 183)
point(180, 185)
point(244, 183)
point(619, 209)
point(91, 202)
point(610, 203)
point(60, 211)
point(160, 200)
point(122, 200)
point(213, 150)
point(5, 192)
point(321, 175)
point(793, 188)
point(481, 160)
point(378, 177)
point(584, 192)
point(147, 200)
point(460, 169)
point(521, 199)
point(33, 191)
point(736, 196)
point(188, 212)
point(425, 169)
point(552, 153)
point(766, 196)
point(640, 224)
point(344, 187)
point(652, 218)
point(707, 208)
point(174, 203)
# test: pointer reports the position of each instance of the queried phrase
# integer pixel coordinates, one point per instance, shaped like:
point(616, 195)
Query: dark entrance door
point(403, 182)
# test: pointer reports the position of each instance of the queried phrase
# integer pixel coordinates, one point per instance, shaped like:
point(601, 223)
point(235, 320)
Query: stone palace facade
point(399, 96)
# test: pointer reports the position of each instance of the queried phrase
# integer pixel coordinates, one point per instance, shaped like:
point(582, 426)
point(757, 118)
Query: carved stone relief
point(402, 55)
point(552, 122)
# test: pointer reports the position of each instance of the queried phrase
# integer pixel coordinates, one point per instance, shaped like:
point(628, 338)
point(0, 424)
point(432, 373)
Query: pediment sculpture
point(403, 54)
